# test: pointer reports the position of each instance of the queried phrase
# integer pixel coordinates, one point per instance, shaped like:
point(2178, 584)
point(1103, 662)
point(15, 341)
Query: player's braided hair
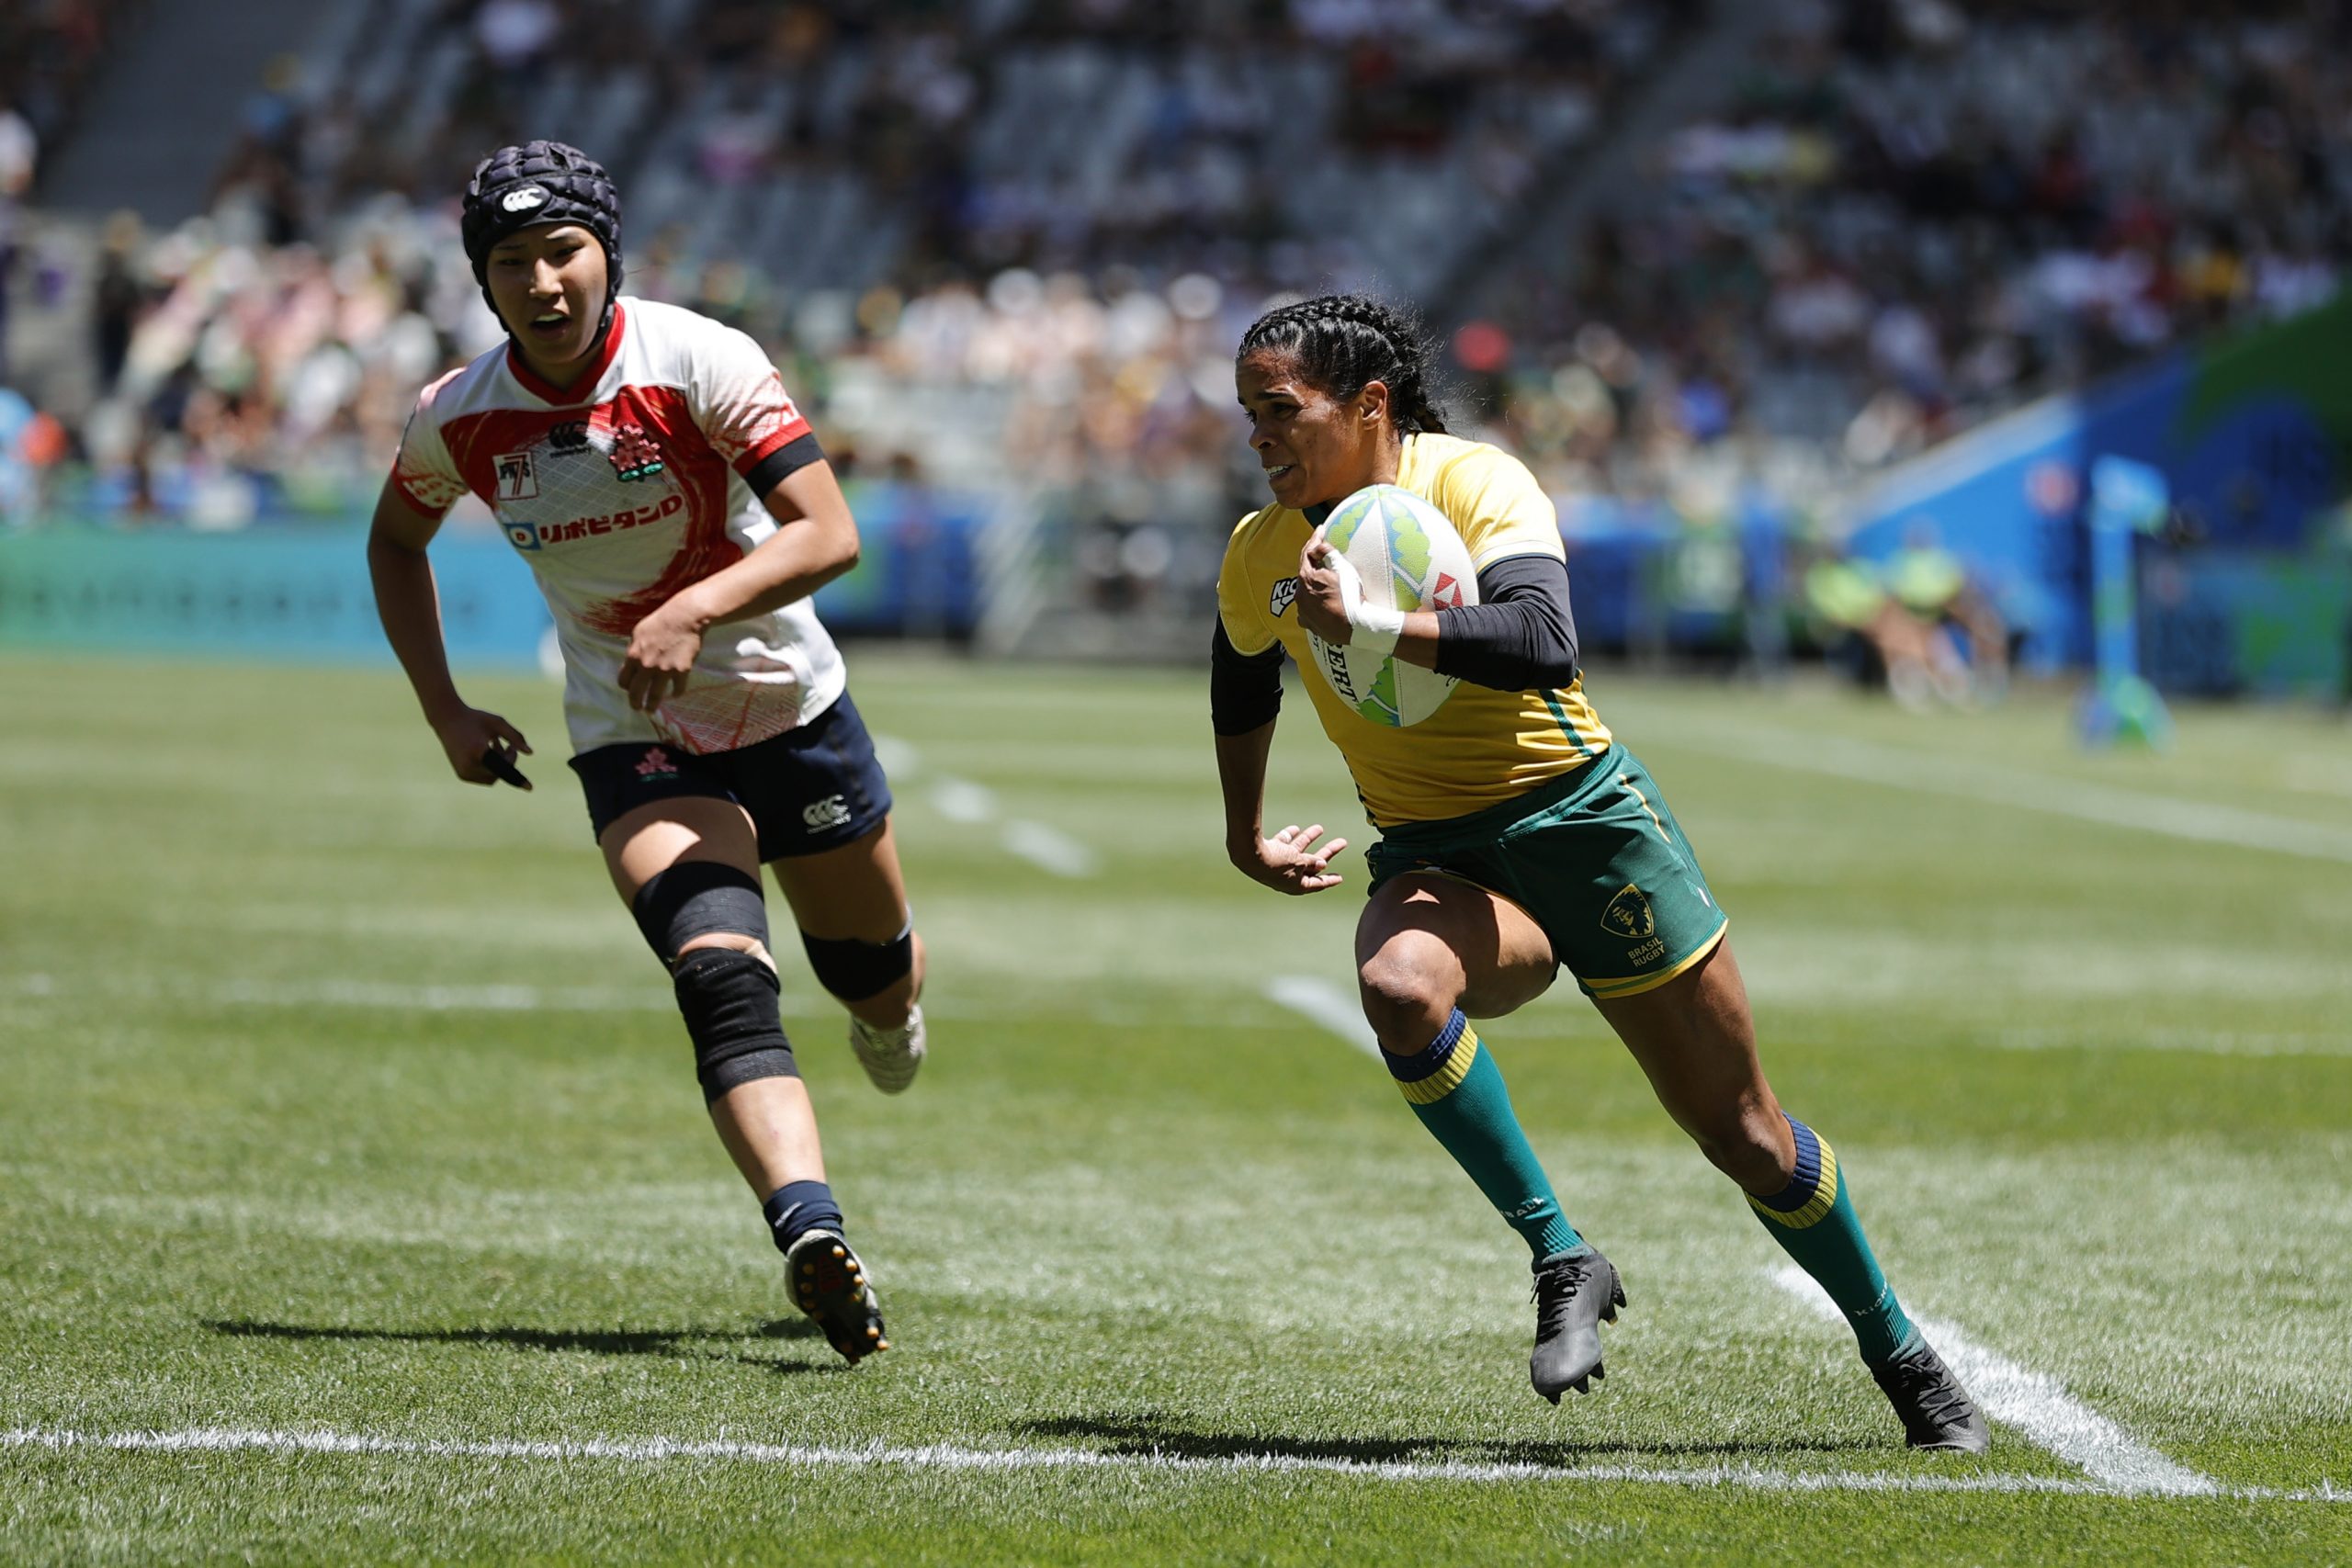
point(1342, 341)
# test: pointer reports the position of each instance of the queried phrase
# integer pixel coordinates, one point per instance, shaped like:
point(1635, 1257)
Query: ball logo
point(525, 200)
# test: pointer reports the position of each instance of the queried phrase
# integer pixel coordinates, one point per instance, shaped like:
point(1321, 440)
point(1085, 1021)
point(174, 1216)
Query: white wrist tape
point(1374, 627)
point(1377, 626)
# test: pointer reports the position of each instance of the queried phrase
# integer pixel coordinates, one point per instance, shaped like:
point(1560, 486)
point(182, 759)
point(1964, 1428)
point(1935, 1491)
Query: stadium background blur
point(1721, 274)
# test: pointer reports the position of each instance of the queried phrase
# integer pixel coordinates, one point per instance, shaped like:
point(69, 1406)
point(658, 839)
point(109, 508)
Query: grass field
point(358, 1202)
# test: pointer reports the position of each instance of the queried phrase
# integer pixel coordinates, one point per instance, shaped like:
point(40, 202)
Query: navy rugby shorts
point(817, 787)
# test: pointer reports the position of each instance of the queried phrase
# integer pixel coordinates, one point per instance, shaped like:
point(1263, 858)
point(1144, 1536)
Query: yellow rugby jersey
point(1483, 747)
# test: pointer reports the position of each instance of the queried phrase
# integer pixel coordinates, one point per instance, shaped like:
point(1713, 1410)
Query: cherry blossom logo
point(656, 763)
point(634, 456)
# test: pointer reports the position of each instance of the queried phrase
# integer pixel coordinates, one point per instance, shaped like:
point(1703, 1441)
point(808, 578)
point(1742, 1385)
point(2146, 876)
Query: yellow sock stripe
point(1447, 1078)
point(1816, 1208)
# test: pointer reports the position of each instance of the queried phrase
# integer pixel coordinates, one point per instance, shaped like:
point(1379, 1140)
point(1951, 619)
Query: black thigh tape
point(854, 970)
point(696, 898)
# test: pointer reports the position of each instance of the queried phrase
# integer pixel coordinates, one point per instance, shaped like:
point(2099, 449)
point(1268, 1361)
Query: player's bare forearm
point(1241, 777)
point(816, 541)
point(788, 566)
point(409, 605)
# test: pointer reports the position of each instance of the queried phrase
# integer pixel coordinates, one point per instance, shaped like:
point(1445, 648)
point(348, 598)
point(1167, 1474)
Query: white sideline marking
point(1048, 849)
point(2038, 1405)
point(1322, 1002)
point(951, 1457)
point(2103, 804)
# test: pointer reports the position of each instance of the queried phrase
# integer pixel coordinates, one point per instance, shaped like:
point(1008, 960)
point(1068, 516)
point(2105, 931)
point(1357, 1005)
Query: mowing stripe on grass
point(2038, 1405)
point(387, 995)
point(2102, 804)
point(1322, 1002)
point(952, 1457)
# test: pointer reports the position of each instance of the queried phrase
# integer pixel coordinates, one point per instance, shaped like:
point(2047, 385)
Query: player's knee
point(1409, 989)
point(689, 905)
point(856, 971)
point(729, 998)
point(1742, 1139)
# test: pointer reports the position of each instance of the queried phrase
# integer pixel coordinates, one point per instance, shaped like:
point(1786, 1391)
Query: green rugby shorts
point(1595, 857)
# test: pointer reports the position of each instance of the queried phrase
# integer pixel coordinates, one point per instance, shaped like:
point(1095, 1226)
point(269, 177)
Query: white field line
point(961, 800)
point(2038, 1405)
point(899, 758)
point(951, 1457)
point(1320, 1001)
point(2103, 804)
point(1048, 849)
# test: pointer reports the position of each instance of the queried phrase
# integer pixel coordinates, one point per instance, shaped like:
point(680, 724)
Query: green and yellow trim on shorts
point(1596, 859)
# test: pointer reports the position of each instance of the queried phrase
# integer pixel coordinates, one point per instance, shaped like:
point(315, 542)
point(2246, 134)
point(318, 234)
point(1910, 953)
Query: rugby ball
point(1404, 552)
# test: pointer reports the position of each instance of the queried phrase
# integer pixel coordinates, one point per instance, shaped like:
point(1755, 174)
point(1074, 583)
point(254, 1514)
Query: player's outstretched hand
point(1290, 861)
point(482, 747)
point(661, 653)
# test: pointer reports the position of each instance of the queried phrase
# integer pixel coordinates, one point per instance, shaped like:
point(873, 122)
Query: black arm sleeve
point(1245, 689)
point(1520, 634)
point(770, 470)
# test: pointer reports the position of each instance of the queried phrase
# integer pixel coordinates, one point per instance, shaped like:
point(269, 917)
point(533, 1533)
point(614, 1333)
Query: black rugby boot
point(829, 1284)
point(1937, 1411)
point(1574, 1296)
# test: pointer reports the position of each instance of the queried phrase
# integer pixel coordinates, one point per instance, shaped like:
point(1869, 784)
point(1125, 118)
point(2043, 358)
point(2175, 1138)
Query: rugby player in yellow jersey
point(1517, 836)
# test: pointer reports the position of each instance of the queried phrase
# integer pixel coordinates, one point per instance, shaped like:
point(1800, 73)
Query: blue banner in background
point(265, 593)
point(303, 594)
point(2252, 435)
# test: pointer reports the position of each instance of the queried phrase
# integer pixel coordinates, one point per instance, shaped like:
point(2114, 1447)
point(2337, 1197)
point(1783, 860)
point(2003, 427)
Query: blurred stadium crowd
point(1006, 245)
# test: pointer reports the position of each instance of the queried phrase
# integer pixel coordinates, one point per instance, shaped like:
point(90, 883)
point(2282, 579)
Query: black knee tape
point(696, 898)
point(856, 970)
point(728, 1000)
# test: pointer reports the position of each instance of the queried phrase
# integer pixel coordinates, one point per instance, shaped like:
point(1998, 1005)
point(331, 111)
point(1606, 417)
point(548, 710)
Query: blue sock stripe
point(1430, 1060)
point(1806, 1185)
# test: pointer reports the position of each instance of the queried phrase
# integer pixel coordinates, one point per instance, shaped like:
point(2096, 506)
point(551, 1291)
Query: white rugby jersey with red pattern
point(624, 489)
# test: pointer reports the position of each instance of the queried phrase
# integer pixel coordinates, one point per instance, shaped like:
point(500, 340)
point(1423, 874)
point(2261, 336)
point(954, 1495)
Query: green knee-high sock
point(1813, 1219)
point(1458, 1092)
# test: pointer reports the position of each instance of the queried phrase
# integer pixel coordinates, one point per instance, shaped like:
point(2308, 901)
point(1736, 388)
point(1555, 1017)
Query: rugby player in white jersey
point(647, 463)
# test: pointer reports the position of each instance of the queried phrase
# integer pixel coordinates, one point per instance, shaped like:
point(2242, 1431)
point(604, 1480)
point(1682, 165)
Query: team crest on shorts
point(657, 762)
point(1629, 915)
point(1285, 589)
